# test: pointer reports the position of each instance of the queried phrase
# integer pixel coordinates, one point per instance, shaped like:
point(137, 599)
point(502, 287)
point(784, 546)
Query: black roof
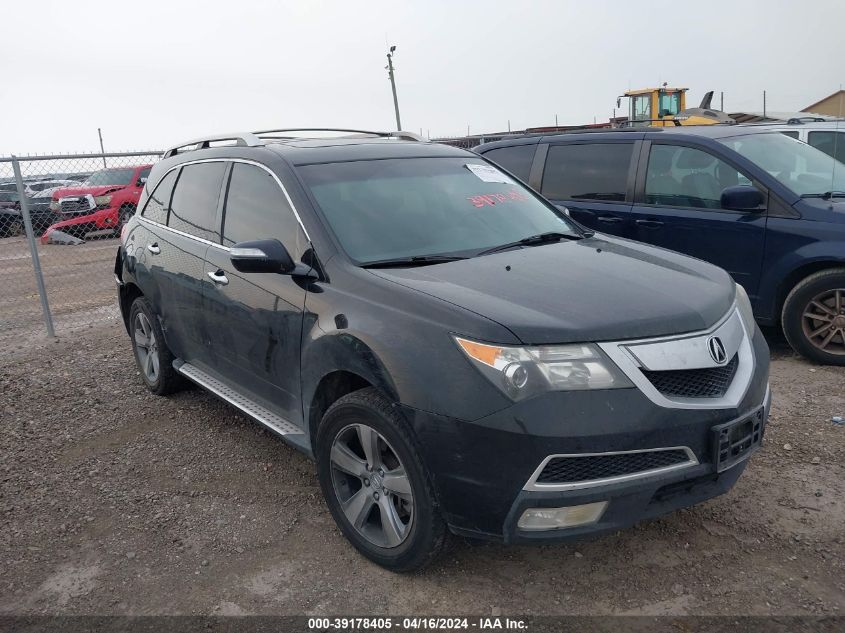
point(330, 150)
point(704, 131)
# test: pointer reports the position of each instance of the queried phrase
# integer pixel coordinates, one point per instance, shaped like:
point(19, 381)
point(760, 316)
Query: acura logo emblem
point(717, 350)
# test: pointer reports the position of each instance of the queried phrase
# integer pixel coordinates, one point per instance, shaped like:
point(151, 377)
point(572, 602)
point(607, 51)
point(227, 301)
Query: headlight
point(102, 201)
point(744, 305)
point(525, 371)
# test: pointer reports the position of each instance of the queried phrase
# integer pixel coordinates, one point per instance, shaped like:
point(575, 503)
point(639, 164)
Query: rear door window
point(516, 159)
point(194, 206)
point(257, 209)
point(831, 143)
point(159, 202)
point(595, 171)
point(687, 177)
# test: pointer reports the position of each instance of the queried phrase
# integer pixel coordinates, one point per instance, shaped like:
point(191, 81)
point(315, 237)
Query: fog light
point(556, 518)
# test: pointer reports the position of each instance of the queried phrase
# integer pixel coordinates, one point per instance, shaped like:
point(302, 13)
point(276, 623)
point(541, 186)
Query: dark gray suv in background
point(453, 351)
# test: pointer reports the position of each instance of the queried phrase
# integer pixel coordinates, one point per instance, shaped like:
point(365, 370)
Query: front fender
point(781, 274)
point(342, 351)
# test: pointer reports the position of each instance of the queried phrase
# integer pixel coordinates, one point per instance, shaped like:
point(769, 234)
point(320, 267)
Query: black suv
point(453, 351)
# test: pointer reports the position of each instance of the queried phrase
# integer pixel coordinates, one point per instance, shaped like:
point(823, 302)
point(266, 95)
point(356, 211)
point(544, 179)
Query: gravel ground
point(115, 501)
point(80, 289)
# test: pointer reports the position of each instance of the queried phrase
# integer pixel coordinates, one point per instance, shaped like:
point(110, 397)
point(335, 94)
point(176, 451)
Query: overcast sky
point(156, 72)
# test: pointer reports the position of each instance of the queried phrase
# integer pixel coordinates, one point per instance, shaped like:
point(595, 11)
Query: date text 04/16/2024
point(417, 624)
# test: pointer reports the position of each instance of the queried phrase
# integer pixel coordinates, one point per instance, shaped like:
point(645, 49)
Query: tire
point(155, 354)
point(820, 339)
point(418, 533)
point(123, 216)
point(15, 228)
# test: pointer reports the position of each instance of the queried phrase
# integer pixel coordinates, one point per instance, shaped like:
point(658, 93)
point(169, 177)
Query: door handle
point(650, 224)
point(153, 248)
point(609, 219)
point(219, 277)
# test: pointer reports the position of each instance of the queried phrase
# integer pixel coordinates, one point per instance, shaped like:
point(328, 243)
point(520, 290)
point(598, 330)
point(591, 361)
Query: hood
point(821, 208)
point(75, 192)
point(595, 289)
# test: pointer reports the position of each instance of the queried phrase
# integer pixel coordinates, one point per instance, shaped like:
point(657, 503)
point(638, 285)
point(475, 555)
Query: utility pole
point(390, 55)
point(555, 120)
point(764, 104)
point(722, 101)
point(102, 151)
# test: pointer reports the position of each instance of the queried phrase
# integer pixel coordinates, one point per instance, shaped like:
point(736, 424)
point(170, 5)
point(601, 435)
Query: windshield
point(413, 207)
point(801, 167)
point(110, 177)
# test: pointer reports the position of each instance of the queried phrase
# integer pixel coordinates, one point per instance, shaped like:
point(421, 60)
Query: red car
point(105, 201)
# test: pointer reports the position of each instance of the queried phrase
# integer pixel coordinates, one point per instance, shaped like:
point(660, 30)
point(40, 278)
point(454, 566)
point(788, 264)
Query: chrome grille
point(577, 468)
point(709, 382)
point(74, 205)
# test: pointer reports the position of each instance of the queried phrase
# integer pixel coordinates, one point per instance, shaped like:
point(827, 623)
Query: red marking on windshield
point(491, 199)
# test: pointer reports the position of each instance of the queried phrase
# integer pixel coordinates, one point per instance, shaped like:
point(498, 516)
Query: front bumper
point(90, 221)
point(480, 469)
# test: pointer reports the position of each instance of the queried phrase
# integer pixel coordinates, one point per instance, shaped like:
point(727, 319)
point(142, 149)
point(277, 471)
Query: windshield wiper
point(417, 260)
point(827, 195)
point(532, 240)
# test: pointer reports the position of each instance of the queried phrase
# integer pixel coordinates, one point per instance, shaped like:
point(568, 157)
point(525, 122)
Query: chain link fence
point(60, 221)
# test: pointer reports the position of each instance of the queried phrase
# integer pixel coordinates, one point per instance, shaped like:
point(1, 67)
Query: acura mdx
point(454, 352)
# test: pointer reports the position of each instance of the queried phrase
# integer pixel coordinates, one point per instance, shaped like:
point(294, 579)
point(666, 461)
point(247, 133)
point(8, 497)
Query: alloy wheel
point(147, 347)
point(372, 486)
point(823, 321)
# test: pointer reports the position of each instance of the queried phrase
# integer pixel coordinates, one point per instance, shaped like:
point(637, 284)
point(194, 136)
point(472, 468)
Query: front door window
point(688, 177)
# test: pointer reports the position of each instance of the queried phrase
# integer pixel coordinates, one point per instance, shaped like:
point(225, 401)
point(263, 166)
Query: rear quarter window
point(159, 202)
point(589, 171)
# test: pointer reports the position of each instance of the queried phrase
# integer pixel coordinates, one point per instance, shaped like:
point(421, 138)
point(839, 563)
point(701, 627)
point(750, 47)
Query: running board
point(237, 400)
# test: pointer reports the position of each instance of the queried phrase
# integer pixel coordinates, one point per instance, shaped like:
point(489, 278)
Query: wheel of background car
point(154, 360)
point(375, 484)
point(814, 317)
point(15, 228)
point(125, 214)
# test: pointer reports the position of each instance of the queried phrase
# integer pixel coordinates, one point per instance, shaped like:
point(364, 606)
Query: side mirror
point(742, 198)
point(141, 181)
point(261, 256)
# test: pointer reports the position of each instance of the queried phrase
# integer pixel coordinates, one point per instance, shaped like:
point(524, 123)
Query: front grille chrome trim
point(534, 486)
point(676, 347)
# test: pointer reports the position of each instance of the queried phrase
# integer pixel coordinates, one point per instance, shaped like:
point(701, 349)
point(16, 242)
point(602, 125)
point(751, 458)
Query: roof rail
point(288, 133)
point(244, 139)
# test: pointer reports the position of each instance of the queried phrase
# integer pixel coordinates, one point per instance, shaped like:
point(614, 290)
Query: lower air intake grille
point(564, 470)
point(710, 382)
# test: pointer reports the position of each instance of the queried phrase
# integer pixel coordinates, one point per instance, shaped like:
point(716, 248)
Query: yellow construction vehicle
point(663, 107)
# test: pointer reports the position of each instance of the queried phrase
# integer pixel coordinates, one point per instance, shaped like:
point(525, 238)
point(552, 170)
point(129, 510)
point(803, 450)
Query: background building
point(834, 105)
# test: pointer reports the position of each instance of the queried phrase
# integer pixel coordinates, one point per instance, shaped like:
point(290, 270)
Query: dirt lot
point(114, 501)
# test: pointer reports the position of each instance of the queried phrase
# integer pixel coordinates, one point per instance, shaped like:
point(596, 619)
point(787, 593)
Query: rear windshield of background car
point(385, 209)
point(110, 177)
point(516, 159)
point(589, 171)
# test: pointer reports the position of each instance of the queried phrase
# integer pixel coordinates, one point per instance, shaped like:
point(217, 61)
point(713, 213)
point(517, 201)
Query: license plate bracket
point(734, 441)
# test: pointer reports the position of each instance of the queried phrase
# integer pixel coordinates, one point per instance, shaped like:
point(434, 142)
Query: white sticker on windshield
point(488, 173)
